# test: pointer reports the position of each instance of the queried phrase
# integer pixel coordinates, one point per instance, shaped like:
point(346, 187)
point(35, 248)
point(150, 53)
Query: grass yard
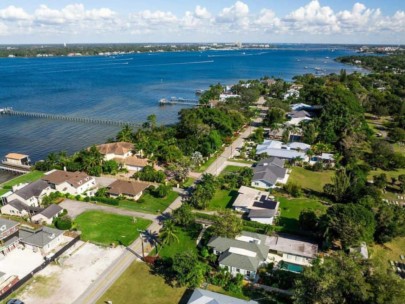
point(188, 182)
point(290, 210)
point(311, 180)
point(149, 204)
point(222, 199)
point(230, 169)
point(25, 178)
point(138, 285)
point(382, 254)
point(107, 228)
point(389, 174)
point(187, 241)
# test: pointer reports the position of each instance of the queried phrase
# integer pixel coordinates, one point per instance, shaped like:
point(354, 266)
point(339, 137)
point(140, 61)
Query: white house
point(44, 239)
point(133, 163)
point(269, 172)
point(17, 159)
point(278, 149)
point(291, 250)
point(257, 204)
point(202, 296)
point(73, 183)
point(47, 215)
point(30, 194)
point(242, 255)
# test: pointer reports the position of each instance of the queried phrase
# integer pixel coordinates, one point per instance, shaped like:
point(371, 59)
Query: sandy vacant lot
point(20, 262)
point(61, 284)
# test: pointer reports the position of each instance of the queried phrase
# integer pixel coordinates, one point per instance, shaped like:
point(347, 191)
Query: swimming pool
point(292, 267)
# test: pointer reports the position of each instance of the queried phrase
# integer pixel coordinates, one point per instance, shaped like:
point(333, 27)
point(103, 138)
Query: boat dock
point(11, 112)
point(176, 101)
point(14, 169)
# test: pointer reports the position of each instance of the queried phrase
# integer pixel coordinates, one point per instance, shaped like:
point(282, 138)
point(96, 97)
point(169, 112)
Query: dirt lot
point(20, 262)
point(77, 269)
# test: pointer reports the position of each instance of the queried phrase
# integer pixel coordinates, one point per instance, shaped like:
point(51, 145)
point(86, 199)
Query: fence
point(39, 268)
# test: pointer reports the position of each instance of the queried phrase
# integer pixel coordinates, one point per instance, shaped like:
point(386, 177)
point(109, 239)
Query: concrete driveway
point(75, 208)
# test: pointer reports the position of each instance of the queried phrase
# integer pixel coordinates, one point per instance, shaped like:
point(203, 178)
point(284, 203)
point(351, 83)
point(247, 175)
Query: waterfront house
point(291, 250)
point(17, 159)
point(129, 189)
point(202, 296)
point(8, 235)
point(132, 163)
point(257, 204)
point(242, 255)
point(29, 194)
point(73, 183)
point(115, 150)
point(47, 215)
point(269, 172)
point(43, 239)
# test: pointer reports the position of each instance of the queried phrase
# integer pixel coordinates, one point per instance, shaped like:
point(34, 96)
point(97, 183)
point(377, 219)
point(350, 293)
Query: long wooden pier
point(14, 169)
point(182, 101)
point(11, 112)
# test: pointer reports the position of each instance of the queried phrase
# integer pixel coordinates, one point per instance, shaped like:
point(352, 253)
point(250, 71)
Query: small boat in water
point(199, 92)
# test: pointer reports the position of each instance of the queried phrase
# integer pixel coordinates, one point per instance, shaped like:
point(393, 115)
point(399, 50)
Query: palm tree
point(125, 134)
point(168, 234)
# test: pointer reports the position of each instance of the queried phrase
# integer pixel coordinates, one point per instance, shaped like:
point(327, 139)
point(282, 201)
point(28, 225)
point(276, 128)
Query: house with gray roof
point(202, 296)
point(18, 208)
point(268, 172)
point(242, 255)
point(30, 194)
point(257, 204)
point(47, 215)
point(43, 239)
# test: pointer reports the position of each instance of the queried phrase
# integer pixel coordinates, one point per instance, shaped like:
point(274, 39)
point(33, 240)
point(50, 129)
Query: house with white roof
point(291, 250)
point(278, 149)
point(257, 204)
point(242, 255)
point(202, 296)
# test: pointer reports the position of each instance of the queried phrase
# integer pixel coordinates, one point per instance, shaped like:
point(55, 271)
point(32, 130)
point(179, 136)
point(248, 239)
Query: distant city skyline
point(264, 21)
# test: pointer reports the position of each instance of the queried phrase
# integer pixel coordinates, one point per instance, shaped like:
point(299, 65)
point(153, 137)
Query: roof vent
point(52, 236)
point(3, 228)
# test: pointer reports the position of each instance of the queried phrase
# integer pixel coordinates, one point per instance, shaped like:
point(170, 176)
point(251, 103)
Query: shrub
point(63, 223)
point(106, 200)
point(293, 189)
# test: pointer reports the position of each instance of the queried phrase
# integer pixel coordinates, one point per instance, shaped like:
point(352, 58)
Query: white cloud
point(12, 13)
point(229, 23)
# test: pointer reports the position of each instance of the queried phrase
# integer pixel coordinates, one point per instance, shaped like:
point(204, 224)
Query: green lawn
point(382, 254)
point(222, 199)
point(149, 203)
point(230, 169)
point(2, 191)
point(138, 285)
point(187, 241)
point(188, 182)
point(106, 228)
point(290, 210)
point(26, 178)
point(311, 180)
point(389, 174)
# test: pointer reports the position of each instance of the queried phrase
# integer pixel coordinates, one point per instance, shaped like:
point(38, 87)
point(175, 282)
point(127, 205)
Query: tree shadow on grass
point(233, 194)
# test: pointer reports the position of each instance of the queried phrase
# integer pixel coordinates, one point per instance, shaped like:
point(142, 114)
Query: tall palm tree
point(125, 134)
point(168, 234)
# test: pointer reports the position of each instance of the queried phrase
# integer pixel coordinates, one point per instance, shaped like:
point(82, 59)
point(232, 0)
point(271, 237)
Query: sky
point(264, 21)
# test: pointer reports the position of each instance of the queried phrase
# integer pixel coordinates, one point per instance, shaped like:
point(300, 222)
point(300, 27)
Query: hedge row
point(106, 200)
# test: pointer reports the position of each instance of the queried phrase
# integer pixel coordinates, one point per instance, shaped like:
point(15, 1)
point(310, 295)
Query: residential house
point(284, 151)
point(257, 204)
point(133, 163)
point(242, 255)
point(47, 215)
point(16, 159)
point(116, 150)
point(297, 121)
point(298, 114)
point(291, 250)
point(18, 208)
point(202, 296)
point(326, 159)
point(291, 93)
point(129, 189)
point(29, 194)
point(43, 239)
point(8, 235)
point(225, 96)
point(73, 183)
point(269, 172)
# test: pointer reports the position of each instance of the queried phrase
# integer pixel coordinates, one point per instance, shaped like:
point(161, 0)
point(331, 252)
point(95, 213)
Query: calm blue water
point(126, 88)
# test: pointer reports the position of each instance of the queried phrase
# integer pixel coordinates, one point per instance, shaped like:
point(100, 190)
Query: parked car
point(15, 301)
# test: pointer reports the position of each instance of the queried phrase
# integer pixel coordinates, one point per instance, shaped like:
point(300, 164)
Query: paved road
point(109, 276)
point(75, 208)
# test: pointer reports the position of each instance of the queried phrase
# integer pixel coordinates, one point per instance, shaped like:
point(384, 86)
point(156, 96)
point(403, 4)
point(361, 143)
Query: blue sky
point(344, 21)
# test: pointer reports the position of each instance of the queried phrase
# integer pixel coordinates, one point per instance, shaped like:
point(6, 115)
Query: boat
point(199, 92)
point(306, 67)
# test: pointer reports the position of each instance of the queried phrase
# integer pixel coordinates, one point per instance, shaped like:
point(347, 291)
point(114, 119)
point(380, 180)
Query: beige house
point(132, 163)
point(16, 159)
point(129, 189)
point(116, 150)
point(73, 183)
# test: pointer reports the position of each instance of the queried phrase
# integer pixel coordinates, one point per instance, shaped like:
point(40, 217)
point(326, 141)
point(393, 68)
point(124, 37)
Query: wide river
point(128, 88)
